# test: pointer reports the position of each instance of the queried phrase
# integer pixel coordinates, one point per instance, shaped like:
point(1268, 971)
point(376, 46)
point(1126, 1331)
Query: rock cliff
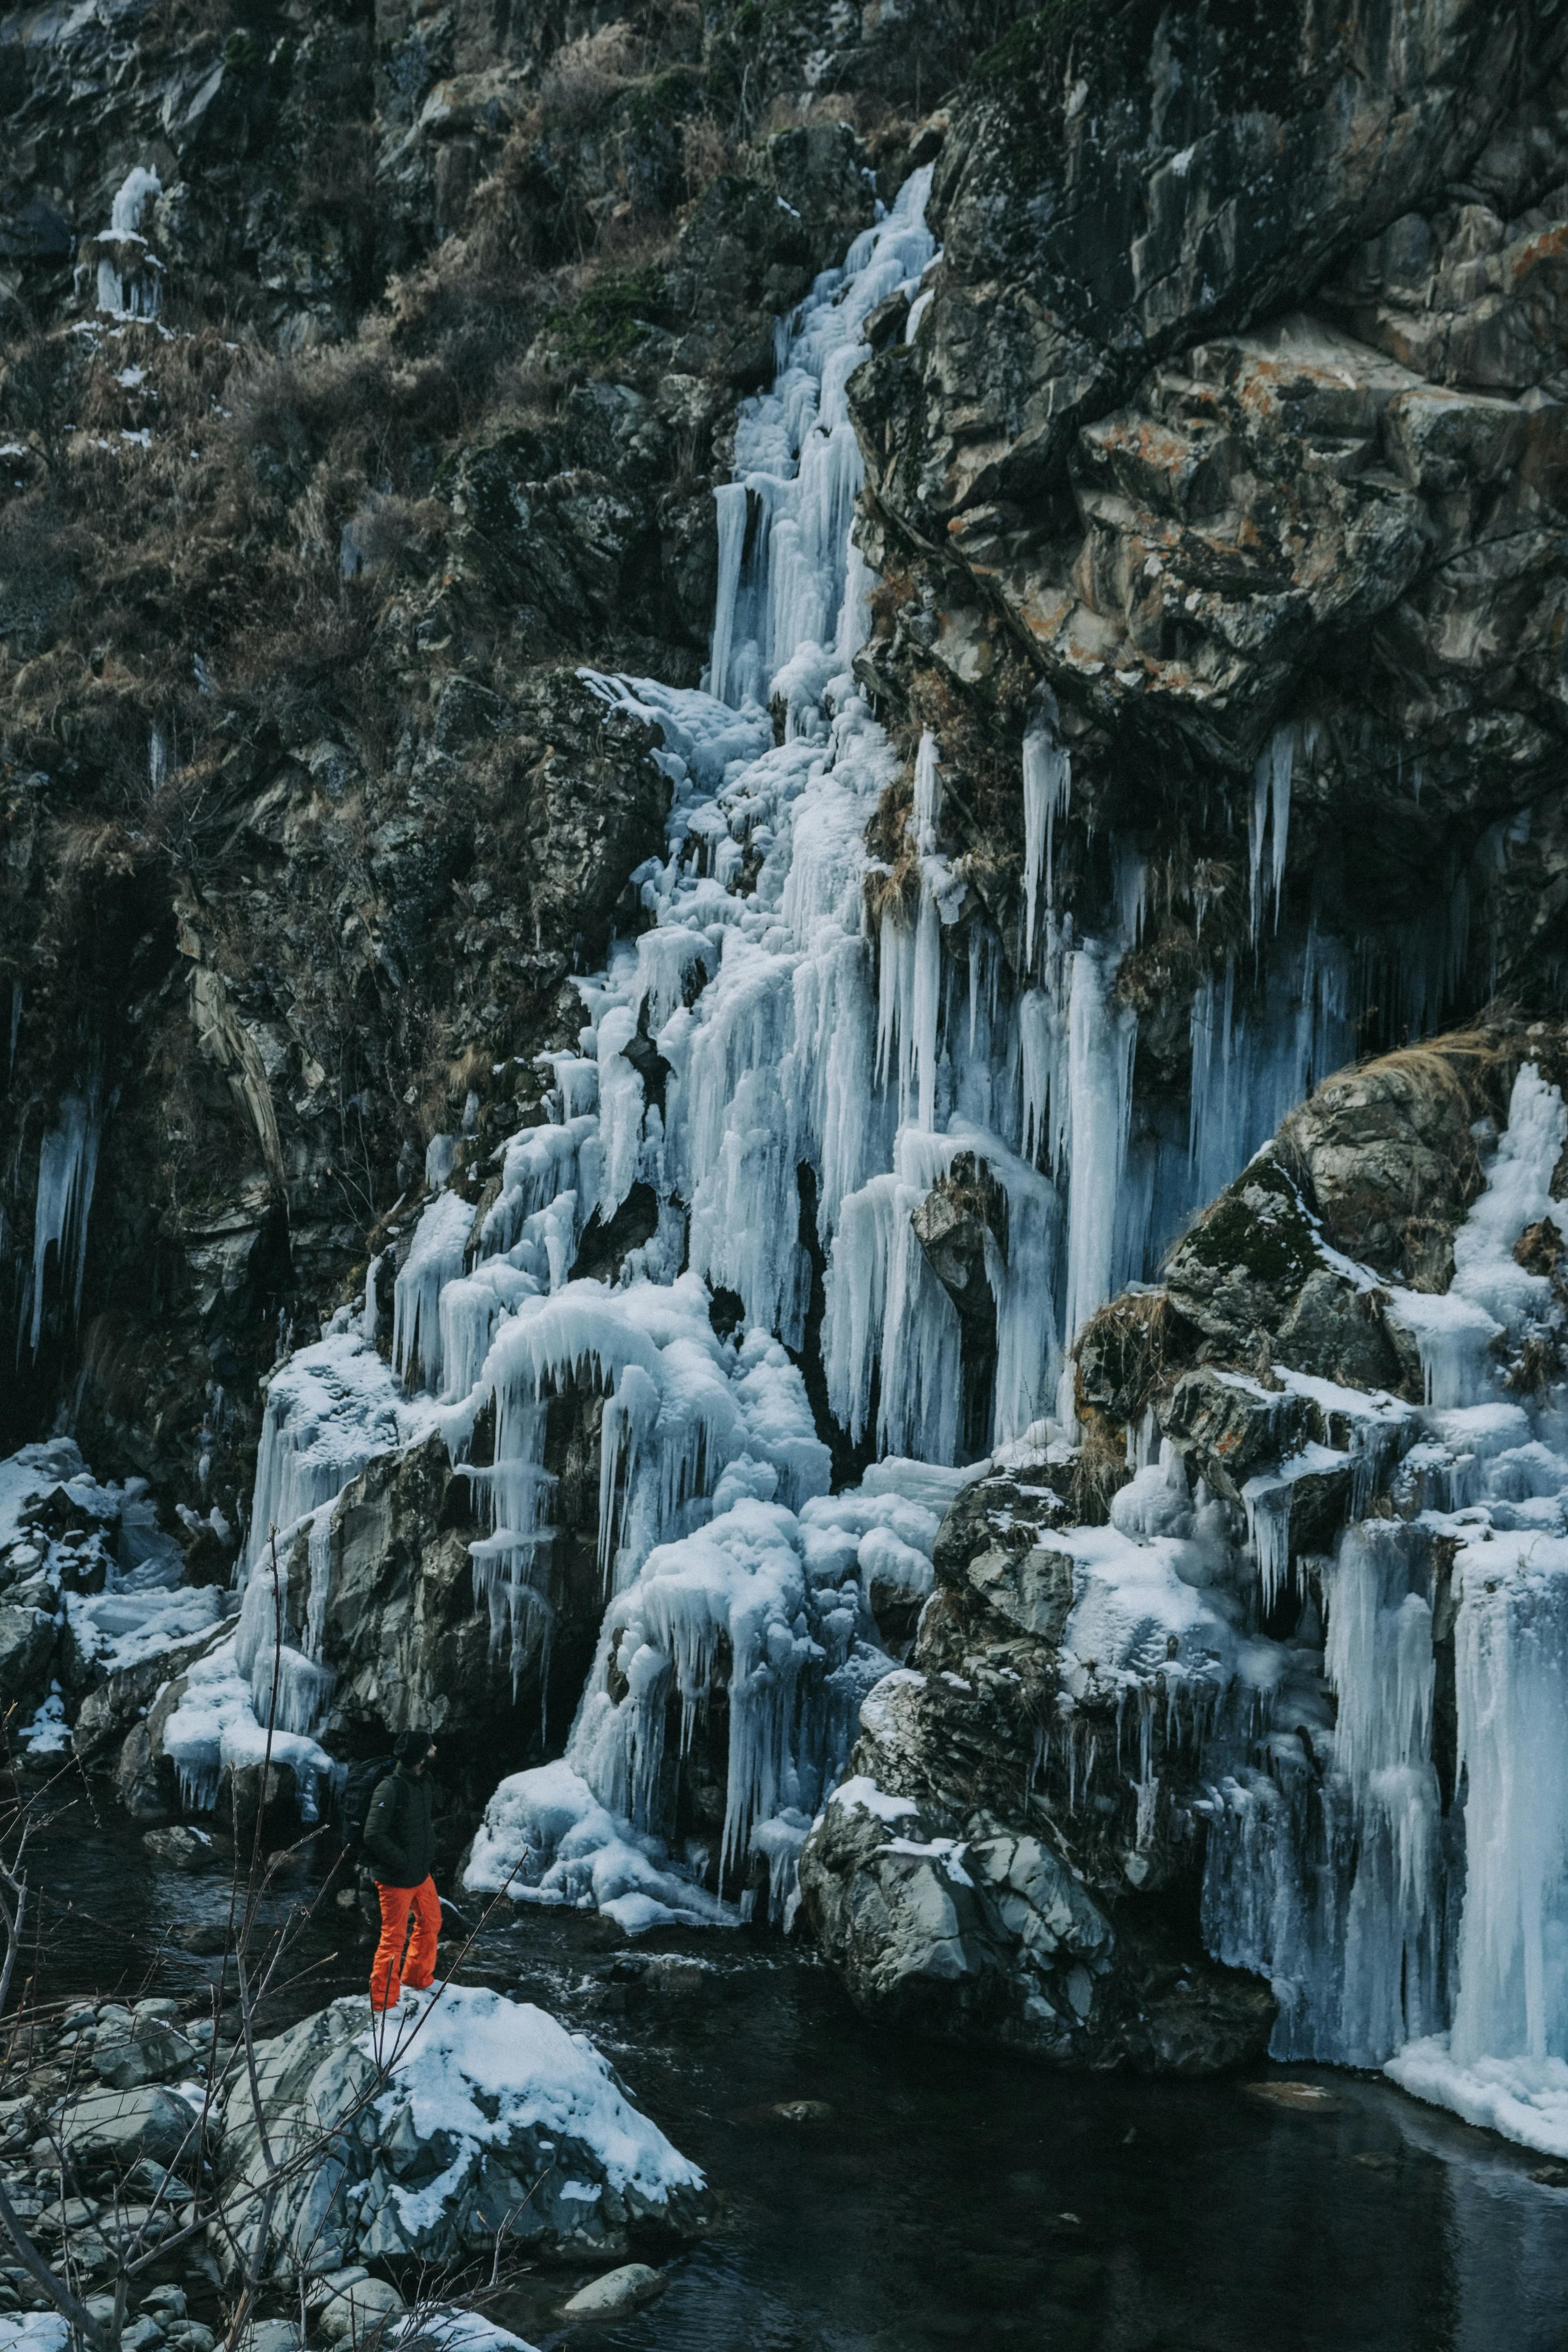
point(778, 751)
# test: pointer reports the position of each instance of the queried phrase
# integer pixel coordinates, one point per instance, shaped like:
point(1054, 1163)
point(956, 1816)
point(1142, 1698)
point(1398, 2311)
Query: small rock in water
point(1551, 2176)
point(205, 1937)
point(617, 2290)
point(804, 2111)
point(180, 1848)
point(1300, 2099)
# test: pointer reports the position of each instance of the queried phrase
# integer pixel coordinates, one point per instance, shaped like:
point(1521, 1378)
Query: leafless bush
point(181, 2202)
point(705, 152)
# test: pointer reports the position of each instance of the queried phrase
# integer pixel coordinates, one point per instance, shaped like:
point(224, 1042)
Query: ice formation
point(128, 284)
point(798, 1034)
point(1409, 1899)
point(68, 1165)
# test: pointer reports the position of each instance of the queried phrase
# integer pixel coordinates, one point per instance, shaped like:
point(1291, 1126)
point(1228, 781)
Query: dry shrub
point(1461, 1068)
point(787, 113)
point(586, 76)
point(386, 529)
point(1122, 1354)
point(42, 554)
point(1098, 1471)
point(705, 152)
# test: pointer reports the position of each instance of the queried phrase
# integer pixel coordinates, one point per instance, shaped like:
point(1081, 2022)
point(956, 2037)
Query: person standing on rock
point(400, 1841)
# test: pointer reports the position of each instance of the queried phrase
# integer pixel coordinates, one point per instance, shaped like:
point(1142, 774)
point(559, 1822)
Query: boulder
point(27, 1638)
point(421, 2139)
point(180, 1847)
point(151, 2051)
point(624, 2289)
point(352, 2304)
point(992, 1936)
point(1387, 1158)
point(1244, 1260)
point(120, 2126)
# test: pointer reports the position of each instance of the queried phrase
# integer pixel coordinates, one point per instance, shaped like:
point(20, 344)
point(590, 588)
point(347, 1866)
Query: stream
point(925, 2196)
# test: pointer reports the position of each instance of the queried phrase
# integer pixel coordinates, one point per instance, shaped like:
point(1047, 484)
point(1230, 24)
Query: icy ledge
point(1525, 2099)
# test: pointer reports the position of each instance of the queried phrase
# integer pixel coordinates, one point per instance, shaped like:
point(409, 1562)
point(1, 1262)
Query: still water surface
point(925, 2197)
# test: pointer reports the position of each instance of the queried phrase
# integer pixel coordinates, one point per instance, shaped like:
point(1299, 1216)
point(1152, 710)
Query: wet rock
point(618, 2291)
point(205, 1937)
point(1296, 2098)
point(182, 1848)
point(144, 1779)
point(28, 1637)
point(992, 1937)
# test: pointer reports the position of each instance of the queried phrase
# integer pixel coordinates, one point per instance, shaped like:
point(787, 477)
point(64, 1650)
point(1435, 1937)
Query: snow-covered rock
point(461, 2114)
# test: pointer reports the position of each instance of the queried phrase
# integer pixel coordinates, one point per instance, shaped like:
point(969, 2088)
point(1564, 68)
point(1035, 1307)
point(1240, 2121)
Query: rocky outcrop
point(976, 1878)
point(1025, 1854)
point(1259, 478)
point(417, 2146)
point(406, 1633)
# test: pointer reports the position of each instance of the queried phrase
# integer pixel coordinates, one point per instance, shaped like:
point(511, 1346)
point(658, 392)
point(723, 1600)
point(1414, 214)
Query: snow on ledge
point(1525, 2099)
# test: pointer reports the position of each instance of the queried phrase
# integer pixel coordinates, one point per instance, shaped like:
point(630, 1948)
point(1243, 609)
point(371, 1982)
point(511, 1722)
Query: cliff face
point(394, 390)
point(716, 1091)
point(1236, 408)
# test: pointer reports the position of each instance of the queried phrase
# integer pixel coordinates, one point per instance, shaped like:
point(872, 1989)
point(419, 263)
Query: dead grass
point(1122, 1353)
point(1459, 1067)
point(1098, 1471)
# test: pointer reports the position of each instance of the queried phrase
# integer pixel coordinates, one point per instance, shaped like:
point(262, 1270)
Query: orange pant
point(398, 1903)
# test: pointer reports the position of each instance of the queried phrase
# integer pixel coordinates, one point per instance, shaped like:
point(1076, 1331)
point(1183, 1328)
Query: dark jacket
point(399, 1830)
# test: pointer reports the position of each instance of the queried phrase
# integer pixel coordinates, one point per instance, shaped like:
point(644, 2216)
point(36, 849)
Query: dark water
point(945, 2198)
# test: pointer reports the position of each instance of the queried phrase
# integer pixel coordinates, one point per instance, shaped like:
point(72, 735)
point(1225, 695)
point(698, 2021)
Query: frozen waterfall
point(128, 273)
point(798, 1032)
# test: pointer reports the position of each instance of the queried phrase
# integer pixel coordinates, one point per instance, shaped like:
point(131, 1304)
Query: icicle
point(1047, 783)
point(1099, 1079)
point(370, 1314)
point(924, 999)
point(730, 499)
point(1270, 809)
point(928, 795)
point(436, 1257)
point(67, 1166)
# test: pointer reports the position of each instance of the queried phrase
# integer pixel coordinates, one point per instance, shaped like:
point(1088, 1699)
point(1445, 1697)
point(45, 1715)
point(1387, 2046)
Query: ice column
point(127, 285)
point(1048, 782)
point(1511, 1663)
point(1101, 1037)
point(67, 1164)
